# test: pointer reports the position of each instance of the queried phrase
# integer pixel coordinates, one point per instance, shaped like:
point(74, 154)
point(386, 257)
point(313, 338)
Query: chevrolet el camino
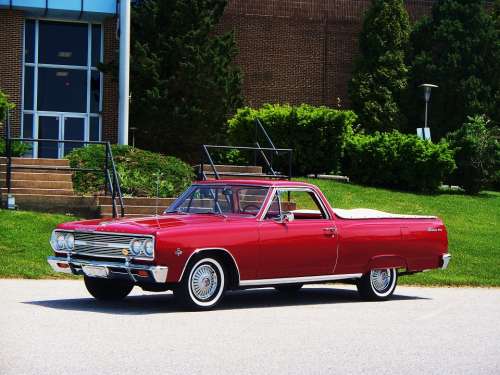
point(231, 234)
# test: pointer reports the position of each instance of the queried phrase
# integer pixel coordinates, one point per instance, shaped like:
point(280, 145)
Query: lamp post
point(426, 133)
point(133, 129)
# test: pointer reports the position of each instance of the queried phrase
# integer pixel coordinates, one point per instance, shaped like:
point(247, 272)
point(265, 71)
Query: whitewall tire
point(203, 286)
point(378, 284)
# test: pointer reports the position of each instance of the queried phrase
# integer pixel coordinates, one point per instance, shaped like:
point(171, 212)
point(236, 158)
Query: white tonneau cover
point(366, 213)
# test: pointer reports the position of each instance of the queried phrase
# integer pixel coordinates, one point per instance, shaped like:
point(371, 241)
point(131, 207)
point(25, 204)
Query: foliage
point(380, 73)
point(458, 49)
point(397, 160)
point(183, 80)
point(5, 105)
point(18, 148)
point(141, 172)
point(317, 135)
point(477, 154)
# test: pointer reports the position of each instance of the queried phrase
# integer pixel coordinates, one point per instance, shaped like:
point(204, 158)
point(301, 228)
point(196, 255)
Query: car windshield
point(220, 199)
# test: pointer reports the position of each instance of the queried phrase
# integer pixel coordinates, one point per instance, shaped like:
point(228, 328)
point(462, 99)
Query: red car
point(232, 234)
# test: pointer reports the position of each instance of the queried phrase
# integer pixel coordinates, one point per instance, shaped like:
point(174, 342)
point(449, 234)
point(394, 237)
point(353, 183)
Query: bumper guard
point(446, 260)
point(157, 274)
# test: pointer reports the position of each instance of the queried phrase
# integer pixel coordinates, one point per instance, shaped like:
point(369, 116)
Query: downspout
point(124, 63)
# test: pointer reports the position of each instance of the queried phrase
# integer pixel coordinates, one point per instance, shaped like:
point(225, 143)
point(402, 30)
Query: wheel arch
point(386, 261)
point(224, 256)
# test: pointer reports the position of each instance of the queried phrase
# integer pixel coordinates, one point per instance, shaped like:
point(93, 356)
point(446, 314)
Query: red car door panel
point(297, 248)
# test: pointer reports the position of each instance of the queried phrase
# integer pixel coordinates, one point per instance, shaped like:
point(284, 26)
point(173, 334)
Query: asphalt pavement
point(55, 327)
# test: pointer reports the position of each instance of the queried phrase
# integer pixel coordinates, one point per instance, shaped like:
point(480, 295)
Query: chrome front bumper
point(445, 261)
point(156, 274)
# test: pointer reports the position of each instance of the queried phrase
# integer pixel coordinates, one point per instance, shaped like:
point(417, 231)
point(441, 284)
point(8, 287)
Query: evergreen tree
point(183, 81)
point(458, 50)
point(380, 73)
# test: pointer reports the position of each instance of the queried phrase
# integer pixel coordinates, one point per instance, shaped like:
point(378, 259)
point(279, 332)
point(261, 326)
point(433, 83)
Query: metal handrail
point(111, 178)
point(258, 148)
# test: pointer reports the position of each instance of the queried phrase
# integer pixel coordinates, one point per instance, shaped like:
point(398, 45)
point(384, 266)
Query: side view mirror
point(285, 217)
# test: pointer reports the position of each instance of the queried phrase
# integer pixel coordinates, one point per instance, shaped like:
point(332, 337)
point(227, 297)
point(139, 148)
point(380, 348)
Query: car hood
point(142, 225)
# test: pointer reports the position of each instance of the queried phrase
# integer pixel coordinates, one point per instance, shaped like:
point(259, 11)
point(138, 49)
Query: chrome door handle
point(330, 230)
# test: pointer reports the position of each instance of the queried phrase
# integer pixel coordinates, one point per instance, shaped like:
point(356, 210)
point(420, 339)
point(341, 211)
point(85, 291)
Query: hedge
point(138, 171)
point(317, 134)
point(397, 160)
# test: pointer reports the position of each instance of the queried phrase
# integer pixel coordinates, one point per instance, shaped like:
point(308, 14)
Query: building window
point(62, 86)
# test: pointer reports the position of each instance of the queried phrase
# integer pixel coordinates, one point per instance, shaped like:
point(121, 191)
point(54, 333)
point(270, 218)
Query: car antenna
point(157, 197)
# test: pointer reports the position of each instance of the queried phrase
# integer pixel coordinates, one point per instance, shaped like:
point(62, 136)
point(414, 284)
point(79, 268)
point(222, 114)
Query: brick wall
point(110, 91)
point(299, 51)
point(11, 49)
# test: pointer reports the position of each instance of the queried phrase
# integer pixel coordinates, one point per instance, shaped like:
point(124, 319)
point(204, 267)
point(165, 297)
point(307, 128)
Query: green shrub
point(138, 170)
point(477, 154)
point(5, 105)
point(18, 148)
point(317, 134)
point(397, 160)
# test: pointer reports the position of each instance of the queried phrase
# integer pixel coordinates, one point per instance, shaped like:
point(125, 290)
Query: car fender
point(386, 261)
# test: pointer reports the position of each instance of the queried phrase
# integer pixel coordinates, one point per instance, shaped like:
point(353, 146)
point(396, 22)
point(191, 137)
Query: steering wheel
point(254, 206)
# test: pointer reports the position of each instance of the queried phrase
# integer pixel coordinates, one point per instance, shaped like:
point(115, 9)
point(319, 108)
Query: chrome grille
point(102, 244)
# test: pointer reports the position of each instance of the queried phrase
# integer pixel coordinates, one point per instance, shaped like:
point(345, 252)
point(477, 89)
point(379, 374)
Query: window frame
point(278, 189)
point(35, 112)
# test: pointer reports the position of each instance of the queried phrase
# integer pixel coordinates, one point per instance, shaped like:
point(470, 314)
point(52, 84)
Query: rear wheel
point(108, 289)
point(203, 286)
point(289, 288)
point(378, 284)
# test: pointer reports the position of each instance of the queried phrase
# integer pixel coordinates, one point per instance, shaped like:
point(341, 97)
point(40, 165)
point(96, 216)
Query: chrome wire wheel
point(204, 282)
point(203, 287)
point(380, 279)
point(378, 284)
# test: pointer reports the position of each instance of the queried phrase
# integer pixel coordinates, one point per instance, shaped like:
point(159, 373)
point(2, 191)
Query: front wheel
point(378, 284)
point(108, 289)
point(203, 286)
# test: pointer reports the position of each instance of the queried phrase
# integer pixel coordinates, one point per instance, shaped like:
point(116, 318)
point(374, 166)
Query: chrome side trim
point(446, 260)
point(159, 273)
point(205, 249)
point(304, 279)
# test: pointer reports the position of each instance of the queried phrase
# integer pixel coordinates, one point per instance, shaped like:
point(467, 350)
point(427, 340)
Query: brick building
point(299, 51)
point(294, 51)
point(49, 57)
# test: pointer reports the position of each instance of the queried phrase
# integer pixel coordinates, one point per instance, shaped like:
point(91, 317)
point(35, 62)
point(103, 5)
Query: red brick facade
point(11, 60)
point(11, 63)
point(110, 91)
point(299, 51)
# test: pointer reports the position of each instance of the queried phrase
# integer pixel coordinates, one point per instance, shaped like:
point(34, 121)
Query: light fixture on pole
point(425, 132)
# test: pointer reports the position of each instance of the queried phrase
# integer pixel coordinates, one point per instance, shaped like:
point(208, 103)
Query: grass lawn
point(24, 243)
point(473, 225)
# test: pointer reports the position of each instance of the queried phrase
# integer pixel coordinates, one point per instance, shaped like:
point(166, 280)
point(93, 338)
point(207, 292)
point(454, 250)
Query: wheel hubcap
point(204, 282)
point(380, 279)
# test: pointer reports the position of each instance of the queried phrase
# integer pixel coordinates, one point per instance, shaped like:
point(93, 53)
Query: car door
point(305, 244)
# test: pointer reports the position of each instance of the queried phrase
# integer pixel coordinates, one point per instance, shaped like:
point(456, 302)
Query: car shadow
point(234, 300)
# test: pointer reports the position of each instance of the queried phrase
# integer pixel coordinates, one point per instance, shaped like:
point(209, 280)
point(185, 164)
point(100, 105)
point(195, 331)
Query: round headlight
point(148, 247)
point(70, 241)
point(60, 241)
point(136, 247)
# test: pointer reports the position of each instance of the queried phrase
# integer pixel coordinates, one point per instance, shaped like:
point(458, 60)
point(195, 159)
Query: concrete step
point(38, 161)
point(133, 210)
point(243, 176)
point(76, 205)
point(36, 169)
point(233, 168)
point(138, 201)
point(40, 176)
point(36, 184)
point(31, 191)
